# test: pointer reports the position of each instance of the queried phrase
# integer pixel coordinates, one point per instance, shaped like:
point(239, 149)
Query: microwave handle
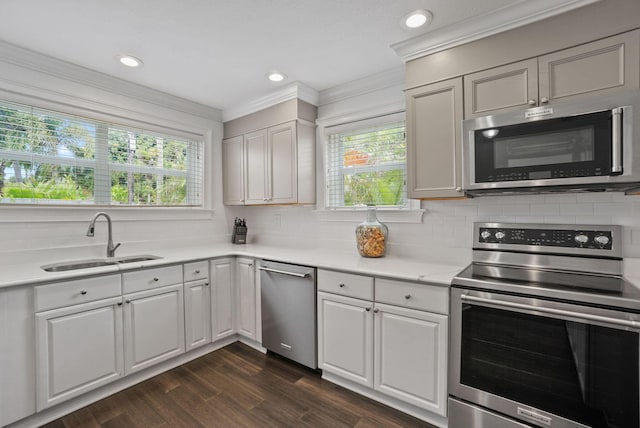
point(616, 140)
point(552, 311)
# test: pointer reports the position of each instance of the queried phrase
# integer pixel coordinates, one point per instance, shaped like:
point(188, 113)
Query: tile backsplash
point(445, 233)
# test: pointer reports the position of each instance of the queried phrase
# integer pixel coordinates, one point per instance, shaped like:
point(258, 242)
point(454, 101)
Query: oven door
point(546, 363)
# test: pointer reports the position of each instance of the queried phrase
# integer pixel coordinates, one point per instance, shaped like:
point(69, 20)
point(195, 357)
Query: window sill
point(58, 214)
point(384, 215)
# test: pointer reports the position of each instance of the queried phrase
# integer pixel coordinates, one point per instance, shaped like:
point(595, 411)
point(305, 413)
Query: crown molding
point(507, 18)
point(41, 63)
point(292, 91)
point(372, 83)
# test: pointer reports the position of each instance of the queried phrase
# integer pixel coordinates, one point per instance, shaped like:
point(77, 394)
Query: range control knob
point(581, 238)
point(601, 240)
point(500, 235)
point(485, 234)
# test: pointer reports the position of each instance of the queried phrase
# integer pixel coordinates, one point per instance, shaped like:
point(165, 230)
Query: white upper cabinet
point(233, 170)
point(269, 156)
point(434, 147)
point(599, 68)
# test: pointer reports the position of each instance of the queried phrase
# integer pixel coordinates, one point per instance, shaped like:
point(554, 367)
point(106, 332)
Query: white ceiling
point(217, 52)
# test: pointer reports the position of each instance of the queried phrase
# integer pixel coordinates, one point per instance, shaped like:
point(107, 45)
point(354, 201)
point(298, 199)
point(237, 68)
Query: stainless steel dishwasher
point(289, 311)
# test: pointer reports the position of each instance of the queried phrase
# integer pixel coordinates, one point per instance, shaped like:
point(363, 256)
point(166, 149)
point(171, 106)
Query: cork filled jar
point(371, 236)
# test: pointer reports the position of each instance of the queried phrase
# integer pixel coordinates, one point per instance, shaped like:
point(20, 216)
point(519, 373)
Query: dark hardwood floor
point(237, 387)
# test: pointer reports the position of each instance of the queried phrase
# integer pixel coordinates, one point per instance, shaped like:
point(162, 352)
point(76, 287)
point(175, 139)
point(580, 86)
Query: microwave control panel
point(578, 238)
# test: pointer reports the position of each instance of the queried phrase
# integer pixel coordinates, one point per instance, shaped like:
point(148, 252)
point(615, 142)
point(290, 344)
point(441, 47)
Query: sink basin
point(91, 263)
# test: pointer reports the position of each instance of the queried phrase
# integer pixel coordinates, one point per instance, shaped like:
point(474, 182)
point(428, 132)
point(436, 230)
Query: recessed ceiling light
point(417, 18)
point(130, 61)
point(276, 76)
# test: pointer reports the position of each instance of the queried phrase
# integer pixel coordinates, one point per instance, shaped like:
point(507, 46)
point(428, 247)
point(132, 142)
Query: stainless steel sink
point(91, 263)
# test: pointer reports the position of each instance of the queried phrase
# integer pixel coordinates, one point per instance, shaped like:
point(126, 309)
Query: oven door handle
point(588, 317)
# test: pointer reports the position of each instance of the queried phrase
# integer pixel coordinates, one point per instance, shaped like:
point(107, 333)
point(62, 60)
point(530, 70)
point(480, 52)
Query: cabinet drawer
point(69, 293)
point(196, 270)
point(151, 278)
point(424, 297)
point(347, 284)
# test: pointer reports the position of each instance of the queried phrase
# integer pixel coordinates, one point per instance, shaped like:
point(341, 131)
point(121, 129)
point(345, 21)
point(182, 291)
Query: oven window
point(582, 372)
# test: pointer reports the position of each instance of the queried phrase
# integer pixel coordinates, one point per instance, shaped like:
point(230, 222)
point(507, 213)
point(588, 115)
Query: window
point(366, 163)
point(53, 158)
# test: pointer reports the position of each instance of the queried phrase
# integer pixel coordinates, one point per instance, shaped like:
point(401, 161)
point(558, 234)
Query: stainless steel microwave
point(591, 145)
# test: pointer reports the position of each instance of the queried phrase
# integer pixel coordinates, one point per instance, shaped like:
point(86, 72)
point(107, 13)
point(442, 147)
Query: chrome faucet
point(111, 249)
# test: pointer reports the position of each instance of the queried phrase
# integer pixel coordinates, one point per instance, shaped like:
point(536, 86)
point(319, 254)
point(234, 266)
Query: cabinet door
point(600, 68)
point(282, 168)
point(197, 308)
point(434, 153)
point(345, 337)
point(233, 171)
point(501, 89)
point(222, 298)
point(411, 356)
point(255, 151)
point(247, 297)
point(78, 348)
point(153, 327)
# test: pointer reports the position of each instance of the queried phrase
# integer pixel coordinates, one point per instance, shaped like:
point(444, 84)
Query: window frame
point(102, 198)
point(412, 213)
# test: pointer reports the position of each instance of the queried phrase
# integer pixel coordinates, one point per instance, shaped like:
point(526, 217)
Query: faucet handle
point(116, 246)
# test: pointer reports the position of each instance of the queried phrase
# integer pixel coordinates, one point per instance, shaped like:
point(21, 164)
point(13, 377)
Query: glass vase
point(371, 236)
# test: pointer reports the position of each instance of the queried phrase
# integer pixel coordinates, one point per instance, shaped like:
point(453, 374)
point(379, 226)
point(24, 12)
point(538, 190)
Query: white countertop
point(391, 267)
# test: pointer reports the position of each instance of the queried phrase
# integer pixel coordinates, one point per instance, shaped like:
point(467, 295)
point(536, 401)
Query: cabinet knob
point(156, 279)
point(367, 309)
point(197, 272)
point(127, 301)
point(532, 102)
point(544, 100)
point(119, 303)
point(341, 285)
point(376, 310)
point(407, 296)
point(83, 292)
point(206, 284)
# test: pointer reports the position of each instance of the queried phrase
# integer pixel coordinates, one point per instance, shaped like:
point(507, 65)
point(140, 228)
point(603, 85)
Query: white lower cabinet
point(223, 300)
point(153, 326)
point(197, 305)
point(248, 297)
point(410, 356)
point(399, 351)
point(345, 337)
point(79, 348)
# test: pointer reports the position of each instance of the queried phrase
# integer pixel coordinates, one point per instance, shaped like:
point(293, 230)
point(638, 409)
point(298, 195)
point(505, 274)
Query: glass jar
point(371, 236)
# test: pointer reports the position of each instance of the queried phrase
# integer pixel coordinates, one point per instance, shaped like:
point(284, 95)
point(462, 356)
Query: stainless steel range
point(545, 331)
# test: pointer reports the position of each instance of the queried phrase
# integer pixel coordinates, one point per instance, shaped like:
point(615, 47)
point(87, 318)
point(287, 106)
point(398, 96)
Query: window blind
point(53, 158)
point(366, 164)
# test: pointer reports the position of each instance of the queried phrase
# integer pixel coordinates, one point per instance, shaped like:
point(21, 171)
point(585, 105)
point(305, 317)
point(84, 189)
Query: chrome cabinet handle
point(561, 312)
point(532, 102)
point(544, 100)
point(83, 292)
point(408, 296)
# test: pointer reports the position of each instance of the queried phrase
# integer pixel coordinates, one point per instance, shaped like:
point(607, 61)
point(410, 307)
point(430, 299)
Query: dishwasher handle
point(284, 272)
